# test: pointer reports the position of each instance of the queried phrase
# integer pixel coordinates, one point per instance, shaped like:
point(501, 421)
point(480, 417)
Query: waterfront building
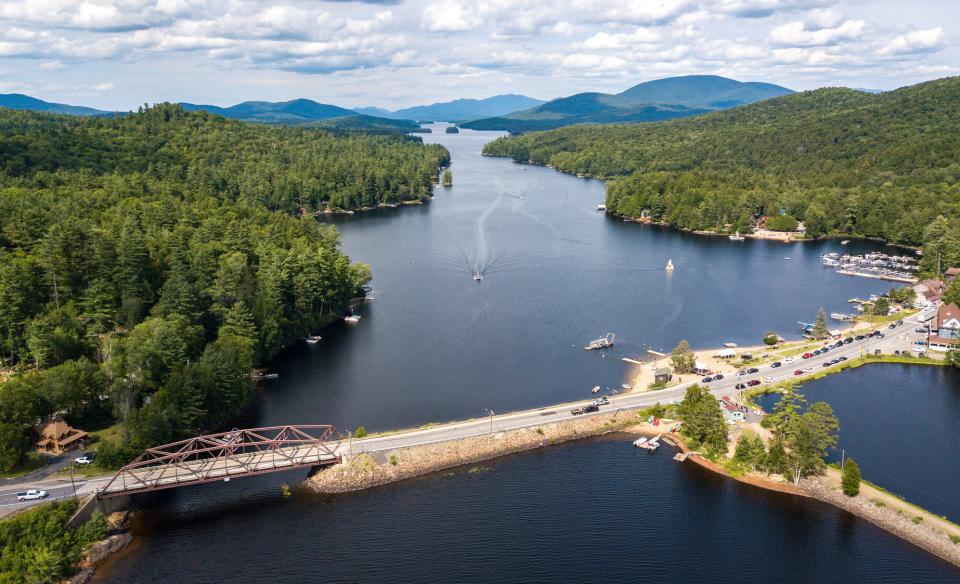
point(948, 328)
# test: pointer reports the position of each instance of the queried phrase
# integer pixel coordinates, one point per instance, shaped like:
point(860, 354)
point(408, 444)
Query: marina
point(873, 265)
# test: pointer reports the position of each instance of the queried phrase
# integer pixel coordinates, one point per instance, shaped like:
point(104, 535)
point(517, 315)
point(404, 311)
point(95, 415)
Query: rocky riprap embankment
point(372, 469)
point(920, 534)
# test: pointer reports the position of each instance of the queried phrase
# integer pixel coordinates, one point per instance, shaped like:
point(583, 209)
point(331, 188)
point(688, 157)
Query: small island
point(452, 130)
point(447, 178)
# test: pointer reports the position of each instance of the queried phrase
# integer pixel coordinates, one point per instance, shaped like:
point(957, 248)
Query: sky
point(119, 54)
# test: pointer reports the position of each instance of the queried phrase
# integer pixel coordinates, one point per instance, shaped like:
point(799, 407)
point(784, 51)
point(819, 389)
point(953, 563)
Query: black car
point(706, 380)
point(753, 370)
point(892, 326)
point(841, 358)
point(740, 386)
point(818, 352)
point(847, 341)
point(859, 338)
point(826, 363)
point(838, 344)
point(718, 377)
point(776, 364)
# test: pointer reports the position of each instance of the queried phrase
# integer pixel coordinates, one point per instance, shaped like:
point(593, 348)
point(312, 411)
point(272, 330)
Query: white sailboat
point(737, 237)
point(669, 265)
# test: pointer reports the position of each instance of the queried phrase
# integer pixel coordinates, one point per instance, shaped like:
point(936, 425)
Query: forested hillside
point(660, 99)
point(842, 161)
point(147, 263)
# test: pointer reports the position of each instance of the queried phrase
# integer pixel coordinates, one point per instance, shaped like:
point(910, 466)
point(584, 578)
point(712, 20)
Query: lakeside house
point(662, 375)
point(57, 436)
point(930, 290)
point(948, 329)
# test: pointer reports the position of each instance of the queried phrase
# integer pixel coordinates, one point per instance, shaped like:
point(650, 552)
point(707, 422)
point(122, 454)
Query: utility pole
point(72, 483)
point(491, 419)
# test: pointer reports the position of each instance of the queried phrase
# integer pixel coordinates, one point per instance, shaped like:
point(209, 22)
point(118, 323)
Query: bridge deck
point(152, 478)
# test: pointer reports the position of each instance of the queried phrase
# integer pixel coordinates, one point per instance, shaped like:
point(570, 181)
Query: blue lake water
point(436, 345)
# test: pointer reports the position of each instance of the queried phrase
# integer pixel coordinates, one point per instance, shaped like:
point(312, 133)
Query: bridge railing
point(225, 455)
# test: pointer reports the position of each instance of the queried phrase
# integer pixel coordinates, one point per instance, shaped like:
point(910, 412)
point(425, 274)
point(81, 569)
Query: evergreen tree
point(850, 480)
point(820, 329)
point(682, 357)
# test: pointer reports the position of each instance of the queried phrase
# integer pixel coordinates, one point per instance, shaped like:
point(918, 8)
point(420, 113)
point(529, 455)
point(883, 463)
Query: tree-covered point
point(839, 160)
point(140, 285)
point(196, 154)
point(36, 547)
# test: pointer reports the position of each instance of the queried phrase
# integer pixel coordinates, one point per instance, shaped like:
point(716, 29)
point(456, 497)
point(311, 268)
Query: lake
point(436, 345)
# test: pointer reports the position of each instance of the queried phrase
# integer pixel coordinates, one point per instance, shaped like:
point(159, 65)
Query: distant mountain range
point(295, 112)
point(662, 99)
point(458, 109)
point(19, 101)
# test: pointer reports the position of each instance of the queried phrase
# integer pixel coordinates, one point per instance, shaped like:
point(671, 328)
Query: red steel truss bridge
point(224, 456)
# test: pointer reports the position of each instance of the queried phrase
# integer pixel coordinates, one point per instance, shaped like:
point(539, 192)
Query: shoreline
point(369, 470)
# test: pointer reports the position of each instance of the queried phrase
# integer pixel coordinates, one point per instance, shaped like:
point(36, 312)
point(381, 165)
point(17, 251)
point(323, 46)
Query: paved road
point(900, 338)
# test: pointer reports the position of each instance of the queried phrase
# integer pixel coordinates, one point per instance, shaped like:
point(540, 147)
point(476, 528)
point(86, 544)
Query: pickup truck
point(31, 495)
point(585, 409)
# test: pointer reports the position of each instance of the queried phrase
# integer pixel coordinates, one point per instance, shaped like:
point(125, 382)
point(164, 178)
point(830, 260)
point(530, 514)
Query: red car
point(807, 355)
point(798, 372)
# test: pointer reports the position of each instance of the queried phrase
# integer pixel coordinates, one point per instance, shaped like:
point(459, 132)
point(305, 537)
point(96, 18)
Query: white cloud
point(103, 87)
point(917, 41)
point(450, 17)
point(799, 34)
point(764, 8)
point(605, 40)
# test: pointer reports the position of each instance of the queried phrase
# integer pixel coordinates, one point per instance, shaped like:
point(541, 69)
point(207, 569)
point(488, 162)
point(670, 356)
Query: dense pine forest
point(148, 262)
point(842, 161)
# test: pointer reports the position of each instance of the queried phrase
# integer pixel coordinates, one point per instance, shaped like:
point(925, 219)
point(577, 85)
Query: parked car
point(601, 401)
point(776, 364)
point(768, 379)
point(740, 386)
point(899, 322)
point(921, 330)
point(706, 379)
point(753, 370)
point(718, 377)
point(826, 363)
point(838, 344)
point(87, 458)
point(807, 355)
point(859, 338)
point(892, 326)
point(841, 358)
point(847, 341)
point(808, 369)
point(798, 372)
point(753, 382)
point(788, 360)
point(31, 495)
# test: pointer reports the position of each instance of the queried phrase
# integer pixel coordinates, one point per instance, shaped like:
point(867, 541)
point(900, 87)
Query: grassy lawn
point(35, 461)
